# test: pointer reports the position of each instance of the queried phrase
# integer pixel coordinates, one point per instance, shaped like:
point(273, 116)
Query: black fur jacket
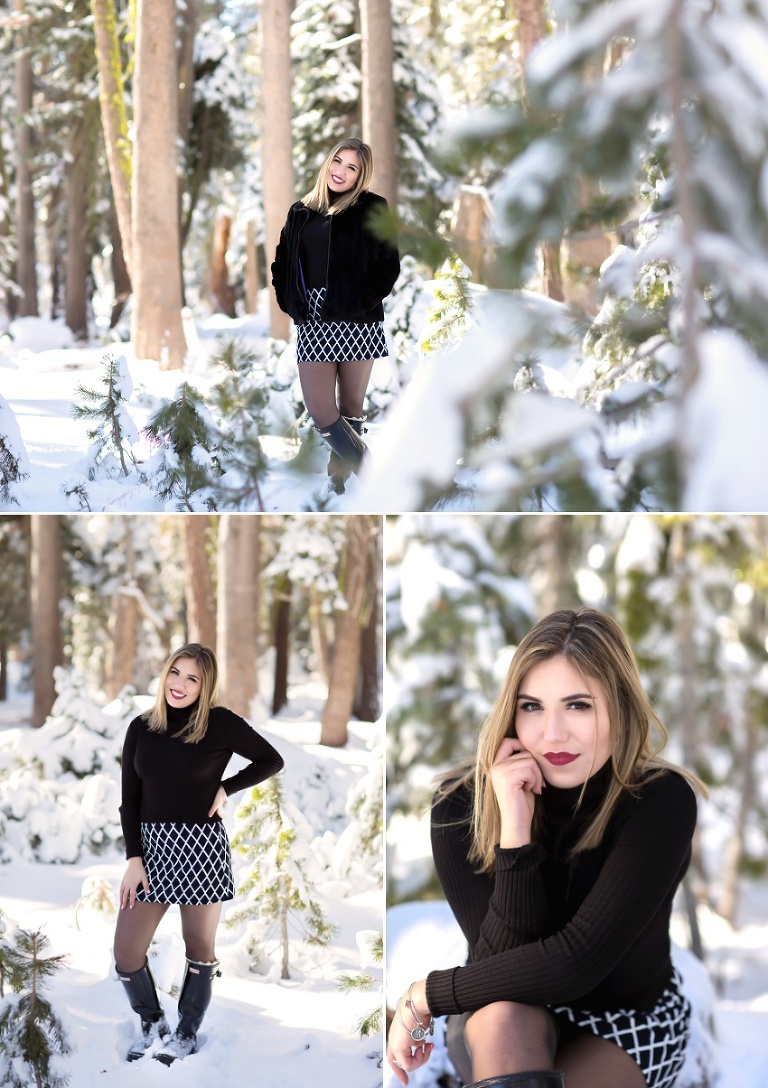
point(362, 269)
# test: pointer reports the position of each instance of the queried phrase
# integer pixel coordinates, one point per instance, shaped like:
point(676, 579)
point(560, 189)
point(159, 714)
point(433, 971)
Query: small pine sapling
point(14, 465)
point(32, 1039)
point(114, 429)
point(188, 460)
point(239, 401)
point(276, 883)
point(371, 947)
point(449, 316)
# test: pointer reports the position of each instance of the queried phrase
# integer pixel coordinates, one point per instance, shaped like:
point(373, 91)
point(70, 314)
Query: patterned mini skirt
point(337, 341)
point(190, 864)
point(656, 1038)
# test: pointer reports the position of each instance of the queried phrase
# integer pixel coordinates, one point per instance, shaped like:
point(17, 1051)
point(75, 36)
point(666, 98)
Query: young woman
point(174, 795)
point(559, 851)
point(330, 274)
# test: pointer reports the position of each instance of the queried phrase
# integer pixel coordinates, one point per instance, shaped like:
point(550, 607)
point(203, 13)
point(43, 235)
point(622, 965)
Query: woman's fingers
point(516, 767)
point(406, 1063)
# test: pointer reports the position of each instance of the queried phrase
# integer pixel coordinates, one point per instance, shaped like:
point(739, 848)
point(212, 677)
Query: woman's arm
point(383, 262)
point(130, 807)
point(649, 853)
point(265, 760)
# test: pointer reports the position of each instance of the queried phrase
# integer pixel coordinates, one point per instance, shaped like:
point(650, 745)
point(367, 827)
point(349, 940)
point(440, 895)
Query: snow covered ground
point(259, 1029)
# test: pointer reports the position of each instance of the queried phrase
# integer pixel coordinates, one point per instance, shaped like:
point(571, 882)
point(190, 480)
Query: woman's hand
point(403, 1054)
point(516, 777)
point(219, 803)
point(135, 877)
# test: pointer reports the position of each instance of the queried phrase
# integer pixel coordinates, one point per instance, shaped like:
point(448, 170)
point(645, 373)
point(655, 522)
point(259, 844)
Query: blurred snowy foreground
point(59, 831)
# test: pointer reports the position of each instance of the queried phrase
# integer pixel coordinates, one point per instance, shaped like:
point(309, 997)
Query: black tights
point(318, 388)
point(136, 928)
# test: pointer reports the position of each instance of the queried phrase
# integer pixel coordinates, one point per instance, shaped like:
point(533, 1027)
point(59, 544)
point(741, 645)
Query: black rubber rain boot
point(194, 999)
point(346, 443)
point(142, 995)
point(546, 1078)
point(336, 471)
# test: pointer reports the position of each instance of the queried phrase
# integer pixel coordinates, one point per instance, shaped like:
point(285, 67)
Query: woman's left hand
point(403, 1054)
point(219, 803)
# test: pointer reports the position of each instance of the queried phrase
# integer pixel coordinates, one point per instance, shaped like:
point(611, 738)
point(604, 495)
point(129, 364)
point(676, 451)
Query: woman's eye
point(579, 704)
point(529, 706)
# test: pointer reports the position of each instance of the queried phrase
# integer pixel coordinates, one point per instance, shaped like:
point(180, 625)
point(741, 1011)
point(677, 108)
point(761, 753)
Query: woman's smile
point(182, 686)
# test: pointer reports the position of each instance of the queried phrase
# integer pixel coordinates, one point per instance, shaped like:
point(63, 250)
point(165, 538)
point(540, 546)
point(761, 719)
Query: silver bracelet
point(422, 1030)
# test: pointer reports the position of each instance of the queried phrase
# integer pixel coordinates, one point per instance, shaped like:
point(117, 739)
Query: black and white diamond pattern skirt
point(337, 341)
point(656, 1039)
point(187, 863)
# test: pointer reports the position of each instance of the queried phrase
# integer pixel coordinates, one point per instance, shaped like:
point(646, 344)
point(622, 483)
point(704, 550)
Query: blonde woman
point(330, 275)
point(559, 851)
point(173, 797)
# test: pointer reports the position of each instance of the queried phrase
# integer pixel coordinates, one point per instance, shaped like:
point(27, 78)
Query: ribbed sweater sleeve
point(130, 808)
point(265, 760)
point(648, 852)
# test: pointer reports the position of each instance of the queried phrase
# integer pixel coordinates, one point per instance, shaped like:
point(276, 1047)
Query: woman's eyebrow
point(565, 699)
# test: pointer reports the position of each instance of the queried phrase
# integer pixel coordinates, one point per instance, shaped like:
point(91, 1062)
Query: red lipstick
point(559, 759)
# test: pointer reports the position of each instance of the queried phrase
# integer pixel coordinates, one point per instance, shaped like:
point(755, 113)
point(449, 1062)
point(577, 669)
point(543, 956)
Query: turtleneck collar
point(560, 804)
point(179, 715)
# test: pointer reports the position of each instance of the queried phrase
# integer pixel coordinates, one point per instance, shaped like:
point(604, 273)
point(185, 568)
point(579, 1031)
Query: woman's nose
point(554, 725)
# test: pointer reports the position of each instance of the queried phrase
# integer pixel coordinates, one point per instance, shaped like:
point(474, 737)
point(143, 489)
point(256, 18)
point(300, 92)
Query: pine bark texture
point(378, 94)
point(252, 279)
point(278, 177)
point(45, 581)
point(282, 637)
point(156, 328)
point(77, 209)
point(26, 262)
point(346, 650)
point(200, 596)
point(114, 117)
point(220, 287)
point(367, 704)
point(237, 610)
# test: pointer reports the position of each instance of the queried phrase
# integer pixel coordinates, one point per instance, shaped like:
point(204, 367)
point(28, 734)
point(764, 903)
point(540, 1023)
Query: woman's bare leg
point(135, 929)
point(591, 1062)
point(509, 1037)
point(198, 928)
point(318, 389)
point(353, 385)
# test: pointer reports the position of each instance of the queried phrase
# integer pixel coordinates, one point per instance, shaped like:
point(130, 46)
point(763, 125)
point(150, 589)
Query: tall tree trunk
point(186, 82)
point(123, 626)
point(114, 118)
point(236, 626)
point(282, 642)
point(26, 263)
point(156, 328)
point(319, 635)
point(276, 137)
point(252, 279)
point(219, 285)
point(367, 705)
point(76, 257)
point(45, 588)
point(346, 649)
point(200, 597)
point(3, 670)
point(120, 277)
point(378, 93)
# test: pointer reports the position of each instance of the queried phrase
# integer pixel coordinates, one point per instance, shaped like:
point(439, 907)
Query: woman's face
point(182, 685)
point(343, 171)
point(562, 722)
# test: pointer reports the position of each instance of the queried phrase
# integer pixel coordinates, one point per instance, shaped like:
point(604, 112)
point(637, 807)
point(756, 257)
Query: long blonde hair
point(318, 199)
point(596, 646)
point(194, 731)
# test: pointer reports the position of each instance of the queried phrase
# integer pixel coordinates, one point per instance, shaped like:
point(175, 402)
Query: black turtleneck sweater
point(167, 780)
point(592, 932)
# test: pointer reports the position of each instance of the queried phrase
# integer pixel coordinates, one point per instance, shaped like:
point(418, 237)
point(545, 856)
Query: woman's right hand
point(516, 778)
point(134, 877)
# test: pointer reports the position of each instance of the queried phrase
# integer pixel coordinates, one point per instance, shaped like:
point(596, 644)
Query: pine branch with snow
point(187, 464)
point(371, 947)
point(239, 401)
point(32, 1038)
point(449, 315)
point(115, 431)
point(14, 464)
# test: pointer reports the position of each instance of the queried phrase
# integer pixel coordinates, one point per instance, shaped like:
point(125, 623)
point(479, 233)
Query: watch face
point(418, 1034)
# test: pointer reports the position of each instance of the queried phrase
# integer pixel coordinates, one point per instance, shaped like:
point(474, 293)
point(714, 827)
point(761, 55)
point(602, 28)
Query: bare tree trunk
point(156, 328)
point(200, 597)
point(282, 642)
point(45, 582)
point(76, 257)
point(120, 277)
point(378, 93)
point(26, 262)
point(346, 649)
point(186, 83)
point(367, 705)
point(3, 670)
point(114, 118)
point(276, 137)
point(320, 635)
point(252, 282)
point(219, 284)
point(236, 626)
point(120, 665)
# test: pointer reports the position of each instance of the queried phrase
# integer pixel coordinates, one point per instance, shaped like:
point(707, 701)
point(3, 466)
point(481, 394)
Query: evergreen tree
point(32, 1039)
point(449, 316)
point(276, 882)
point(14, 465)
point(185, 468)
point(114, 427)
point(239, 401)
point(371, 947)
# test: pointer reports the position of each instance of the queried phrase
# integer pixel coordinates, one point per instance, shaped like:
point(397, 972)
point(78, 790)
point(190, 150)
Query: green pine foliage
point(239, 401)
point(371, 1022)
point(449, 316)
point(185, 468)
point(114, 431)
point(276, 883)
point(32, 1038)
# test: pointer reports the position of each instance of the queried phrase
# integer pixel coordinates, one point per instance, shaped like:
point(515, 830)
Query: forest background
point(580, 196)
